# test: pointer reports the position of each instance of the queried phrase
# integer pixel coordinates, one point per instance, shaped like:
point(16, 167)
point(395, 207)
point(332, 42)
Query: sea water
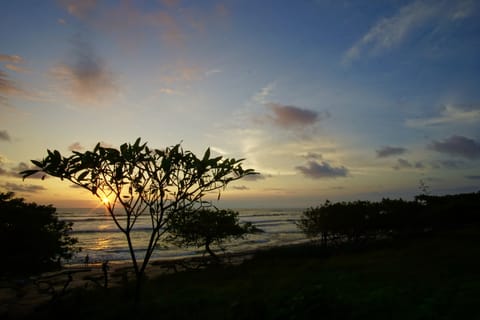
point(101, 240)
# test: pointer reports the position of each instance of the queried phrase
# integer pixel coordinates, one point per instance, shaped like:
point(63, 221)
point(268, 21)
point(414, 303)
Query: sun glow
point(105, 201)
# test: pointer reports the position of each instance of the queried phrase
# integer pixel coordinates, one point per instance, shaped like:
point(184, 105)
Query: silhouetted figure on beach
point(105, 268)
point(87, 260)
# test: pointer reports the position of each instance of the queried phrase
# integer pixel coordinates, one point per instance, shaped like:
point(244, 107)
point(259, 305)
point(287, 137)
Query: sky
point(338, 100)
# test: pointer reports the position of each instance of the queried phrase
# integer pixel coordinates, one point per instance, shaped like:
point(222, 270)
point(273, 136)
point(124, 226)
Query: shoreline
point(19, 296)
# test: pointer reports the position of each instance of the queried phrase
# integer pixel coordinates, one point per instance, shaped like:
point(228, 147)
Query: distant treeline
point(358, 221)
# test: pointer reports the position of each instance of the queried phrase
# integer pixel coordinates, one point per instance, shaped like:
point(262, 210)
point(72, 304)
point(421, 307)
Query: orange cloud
point(15, 68)
point(10, 58)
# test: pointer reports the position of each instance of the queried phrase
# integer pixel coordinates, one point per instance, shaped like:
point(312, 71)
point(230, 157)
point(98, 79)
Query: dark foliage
point(138, 181)
point(33, 238)
point(358, 221)
point(205, 227)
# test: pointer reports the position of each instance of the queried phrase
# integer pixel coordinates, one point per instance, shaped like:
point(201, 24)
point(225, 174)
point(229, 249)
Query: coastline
point(21, 296)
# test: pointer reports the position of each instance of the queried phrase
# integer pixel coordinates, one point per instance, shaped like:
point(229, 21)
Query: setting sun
point(105, 200)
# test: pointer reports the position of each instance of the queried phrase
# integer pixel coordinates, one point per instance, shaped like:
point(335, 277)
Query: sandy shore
point(21, 296)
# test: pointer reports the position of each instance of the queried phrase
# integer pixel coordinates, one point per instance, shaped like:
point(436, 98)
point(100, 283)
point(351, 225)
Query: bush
point(33, 238)
point(205, 227)
point(357, 221)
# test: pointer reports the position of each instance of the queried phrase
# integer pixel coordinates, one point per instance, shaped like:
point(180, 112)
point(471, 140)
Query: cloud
point(29, 188)
point(312, 156)
point(457, 146)
point(14, 67)
point(76, 146)
point(240, 188)
point(10, 58)
point(4, 136)
point(169, 91)
point(391, 32)
point(182, 72)
point(255, 177)
point(22, 166)
point(87, 78)
point(264, 93)
point(388, 151)
point(292, 116)
point(129, 21)
point(473, 177)
point(315, 170)
point(79, 8)
point(449, 164)
point(405, 164)
point(450, 114)
point(9, 88)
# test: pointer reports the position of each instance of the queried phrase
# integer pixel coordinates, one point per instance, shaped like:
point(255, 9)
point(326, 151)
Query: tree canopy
point(32, 236)
point(206, 227)
point(135, 180)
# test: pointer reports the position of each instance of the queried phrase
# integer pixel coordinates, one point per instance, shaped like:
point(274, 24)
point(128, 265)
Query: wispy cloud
point(316, 170)
point(448, 164)
point(181, 72)
point(392, 31)
point(312, 156)
point(256, 177)
point(76, 146)
point(468, 113)
point(292, 116)
point(262, 96)
point(473, 177)
point(405, 164)
point(22, 166)
point(87, 77)
point(15, 171)
point(10, 58)
point(388, 151)
point(241, 188)
point(79, 8)
point(28, 188)
point(9, 88)
point(458, 146)
point(4, 136)
point(173, 21)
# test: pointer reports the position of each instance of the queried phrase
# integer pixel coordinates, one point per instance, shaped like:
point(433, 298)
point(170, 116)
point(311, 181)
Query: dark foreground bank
point(435, 276)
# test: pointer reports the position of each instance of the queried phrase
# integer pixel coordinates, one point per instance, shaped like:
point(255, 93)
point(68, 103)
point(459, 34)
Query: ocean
point(101, 240)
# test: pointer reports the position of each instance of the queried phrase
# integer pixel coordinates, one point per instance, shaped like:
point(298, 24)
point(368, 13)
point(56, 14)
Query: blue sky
point(338, 100)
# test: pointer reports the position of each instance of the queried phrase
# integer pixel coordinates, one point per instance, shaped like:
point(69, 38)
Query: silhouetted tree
point(33, 238)
point(361, 220)
point(205, 227)
point(135, 180)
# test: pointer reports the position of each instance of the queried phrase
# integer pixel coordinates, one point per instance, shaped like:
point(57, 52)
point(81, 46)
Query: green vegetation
point(33, 239)
point(136, 180)
point(434, 277)
point(205, 227)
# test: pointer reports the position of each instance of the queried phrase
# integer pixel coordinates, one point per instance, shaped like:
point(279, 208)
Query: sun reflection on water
point(102, 244)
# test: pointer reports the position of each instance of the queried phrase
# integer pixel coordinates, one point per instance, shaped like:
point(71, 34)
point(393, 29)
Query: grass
point(432, 277)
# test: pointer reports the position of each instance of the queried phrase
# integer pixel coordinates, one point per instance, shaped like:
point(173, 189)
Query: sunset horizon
point(326, 100)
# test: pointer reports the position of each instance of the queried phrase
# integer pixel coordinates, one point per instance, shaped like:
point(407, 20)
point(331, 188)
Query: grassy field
point(436, 276)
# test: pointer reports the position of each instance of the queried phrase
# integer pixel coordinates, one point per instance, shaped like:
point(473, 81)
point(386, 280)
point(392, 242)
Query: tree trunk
point(212, 254)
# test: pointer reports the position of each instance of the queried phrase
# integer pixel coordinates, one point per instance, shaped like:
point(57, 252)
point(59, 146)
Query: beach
point(388, 279)
point(21, 296)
